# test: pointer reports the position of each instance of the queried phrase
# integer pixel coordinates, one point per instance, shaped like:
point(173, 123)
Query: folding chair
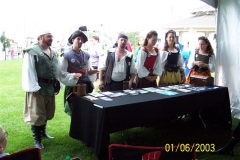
point(128, 152)
point(26, 154)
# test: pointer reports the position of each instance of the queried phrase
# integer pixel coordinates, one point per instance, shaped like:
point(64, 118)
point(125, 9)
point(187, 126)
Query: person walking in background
point(148, 65)
point(3, 142)
point(186, 54)
point(76, 62)
point(129, 46)
point(40, 73)
point(140, 41)
point(118, 67)
point(96, 53)
point(173, 63)
point(12, 54)
point(202, 62)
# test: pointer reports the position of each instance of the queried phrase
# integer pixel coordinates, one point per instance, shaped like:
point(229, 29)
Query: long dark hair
point(209, 49)
point(149, 35)
point(166, 43)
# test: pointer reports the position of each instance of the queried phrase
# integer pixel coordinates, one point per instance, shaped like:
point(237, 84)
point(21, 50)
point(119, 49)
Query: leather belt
point(49, 81)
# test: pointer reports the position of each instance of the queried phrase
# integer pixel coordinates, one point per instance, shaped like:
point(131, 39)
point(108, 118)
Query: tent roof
point(199, 21)
point(205, 8)
point(213, 3)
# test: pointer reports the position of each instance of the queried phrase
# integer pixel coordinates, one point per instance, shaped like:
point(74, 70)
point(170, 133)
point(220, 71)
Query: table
point(93, 121)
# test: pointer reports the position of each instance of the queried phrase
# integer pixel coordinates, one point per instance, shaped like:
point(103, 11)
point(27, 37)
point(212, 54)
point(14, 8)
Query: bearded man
point(40, 74)
point(118, 67)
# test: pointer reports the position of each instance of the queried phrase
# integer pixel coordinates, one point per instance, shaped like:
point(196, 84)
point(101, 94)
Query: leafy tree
point(132, 37)
point(5, 41)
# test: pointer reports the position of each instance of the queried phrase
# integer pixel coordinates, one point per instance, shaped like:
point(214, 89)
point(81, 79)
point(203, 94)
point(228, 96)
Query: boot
point(44, 134)
point(36, 131)
point(228, 149)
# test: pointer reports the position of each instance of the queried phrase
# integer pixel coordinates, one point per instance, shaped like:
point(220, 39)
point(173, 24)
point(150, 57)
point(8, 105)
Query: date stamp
point(197, 147)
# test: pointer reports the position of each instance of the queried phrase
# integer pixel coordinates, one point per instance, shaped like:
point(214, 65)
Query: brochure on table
point(166, 90)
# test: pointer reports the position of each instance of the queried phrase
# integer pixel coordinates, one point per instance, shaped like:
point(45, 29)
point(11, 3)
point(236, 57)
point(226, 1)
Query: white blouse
point(29, 75)
point(211, 65)
point(142, 71)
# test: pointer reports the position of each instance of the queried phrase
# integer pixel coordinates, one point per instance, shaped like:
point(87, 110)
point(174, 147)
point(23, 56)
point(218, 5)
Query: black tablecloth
point(93, 121)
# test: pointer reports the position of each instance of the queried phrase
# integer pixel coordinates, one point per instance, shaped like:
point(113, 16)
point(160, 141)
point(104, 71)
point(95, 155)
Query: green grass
point(11, 118)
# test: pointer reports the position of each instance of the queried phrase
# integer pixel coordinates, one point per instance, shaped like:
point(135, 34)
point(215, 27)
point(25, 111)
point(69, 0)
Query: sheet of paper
point(91, 98)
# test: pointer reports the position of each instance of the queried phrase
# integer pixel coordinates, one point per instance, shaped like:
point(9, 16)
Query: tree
point(5, 41)
point(132, 37)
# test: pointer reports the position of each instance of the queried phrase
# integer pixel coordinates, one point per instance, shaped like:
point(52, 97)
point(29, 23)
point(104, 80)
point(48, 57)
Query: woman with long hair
point(202, 62)
point(148, 62)
point(173, 63)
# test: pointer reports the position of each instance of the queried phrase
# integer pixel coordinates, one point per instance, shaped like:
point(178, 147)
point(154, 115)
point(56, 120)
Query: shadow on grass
point(177, 132)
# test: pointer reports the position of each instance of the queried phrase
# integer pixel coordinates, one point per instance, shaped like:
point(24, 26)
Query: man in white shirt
point(40, 74)
point(118, 67)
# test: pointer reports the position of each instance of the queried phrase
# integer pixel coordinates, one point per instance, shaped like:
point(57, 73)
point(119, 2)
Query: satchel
point(198, 80)
point(56, 86)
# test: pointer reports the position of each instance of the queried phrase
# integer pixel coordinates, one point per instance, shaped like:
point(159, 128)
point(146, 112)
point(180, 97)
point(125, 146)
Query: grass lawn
point(20, 137)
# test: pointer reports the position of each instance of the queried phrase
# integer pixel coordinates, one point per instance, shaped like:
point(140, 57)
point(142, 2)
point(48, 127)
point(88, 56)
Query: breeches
point(38, 109)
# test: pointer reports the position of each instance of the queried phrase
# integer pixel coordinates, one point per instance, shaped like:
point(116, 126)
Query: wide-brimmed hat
point(75, 34)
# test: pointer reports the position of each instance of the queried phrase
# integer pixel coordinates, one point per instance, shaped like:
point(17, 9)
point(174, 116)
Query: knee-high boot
point(36, 131)
point(228, 149)
point(43, 132)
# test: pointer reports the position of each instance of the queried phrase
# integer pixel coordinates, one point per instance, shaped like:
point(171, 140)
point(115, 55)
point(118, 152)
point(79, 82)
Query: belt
point(117, 81)
point(49, 81)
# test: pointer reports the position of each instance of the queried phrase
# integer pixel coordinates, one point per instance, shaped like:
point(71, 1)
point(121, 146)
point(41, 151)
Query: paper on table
point(106, 98)
point(164, 88)
point(184, 90)
point(91, 98)
point(95, 94)
point(169, 93)
point(150, 89)
point(107, 93)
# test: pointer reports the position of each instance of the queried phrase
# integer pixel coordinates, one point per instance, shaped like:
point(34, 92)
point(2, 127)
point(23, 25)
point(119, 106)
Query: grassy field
point(11, 118)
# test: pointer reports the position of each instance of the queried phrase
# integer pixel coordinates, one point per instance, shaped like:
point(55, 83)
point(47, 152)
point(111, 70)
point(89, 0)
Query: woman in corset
point(148, 64)
point(202, 61)
point(173, 63)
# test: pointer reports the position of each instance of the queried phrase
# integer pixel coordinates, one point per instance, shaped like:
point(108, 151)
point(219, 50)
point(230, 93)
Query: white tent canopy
point(228, 49)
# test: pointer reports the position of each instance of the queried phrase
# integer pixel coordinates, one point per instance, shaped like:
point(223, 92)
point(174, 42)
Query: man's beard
point(122, 46)
point(47, 42)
